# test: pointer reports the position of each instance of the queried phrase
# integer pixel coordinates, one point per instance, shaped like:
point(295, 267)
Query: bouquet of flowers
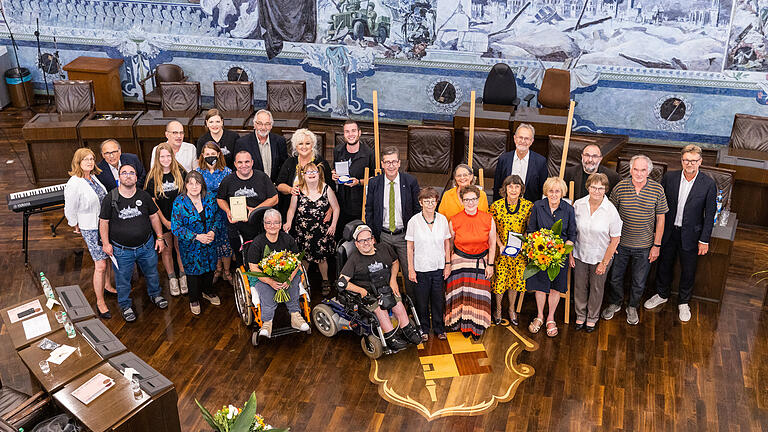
point(278, 266)
point(546, 251)
point(232, 419)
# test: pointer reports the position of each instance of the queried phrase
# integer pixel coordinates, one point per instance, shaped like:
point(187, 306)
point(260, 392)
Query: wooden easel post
point(567, 294)
point(365, 190)
point(567, 140)
point(470, 153)
point(376, 131)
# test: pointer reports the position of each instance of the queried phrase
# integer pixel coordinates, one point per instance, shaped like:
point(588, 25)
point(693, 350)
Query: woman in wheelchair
point(277, 240)
point(372, 269)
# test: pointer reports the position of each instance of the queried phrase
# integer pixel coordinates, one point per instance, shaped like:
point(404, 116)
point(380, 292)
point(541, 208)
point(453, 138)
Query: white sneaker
point(266, 330)
point(654, 302)
point(684, 312)
point(173, 286)
point(183, 284)
point(297, 322)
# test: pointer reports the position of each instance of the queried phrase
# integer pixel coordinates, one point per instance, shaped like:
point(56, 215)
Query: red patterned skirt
point(468, 295)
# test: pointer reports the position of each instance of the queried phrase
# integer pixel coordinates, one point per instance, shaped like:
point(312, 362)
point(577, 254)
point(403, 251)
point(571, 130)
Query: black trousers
point(429, 296)
point(671, 249)
point(198, 284)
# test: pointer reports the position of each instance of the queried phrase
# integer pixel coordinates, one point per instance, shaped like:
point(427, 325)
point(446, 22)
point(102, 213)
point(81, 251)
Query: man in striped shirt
point(641, 204)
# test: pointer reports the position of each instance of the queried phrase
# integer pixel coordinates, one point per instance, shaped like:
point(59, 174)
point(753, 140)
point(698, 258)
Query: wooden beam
point(471, 129)
point(567, 138)
point(376, 130)
point(365, 191)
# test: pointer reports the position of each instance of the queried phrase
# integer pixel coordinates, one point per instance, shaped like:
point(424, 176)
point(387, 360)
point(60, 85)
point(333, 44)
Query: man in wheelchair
point(371, 271)
point(277, 240)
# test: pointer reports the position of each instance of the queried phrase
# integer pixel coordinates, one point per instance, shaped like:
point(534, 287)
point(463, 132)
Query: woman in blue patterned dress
point(193, 219)
point(213, 166)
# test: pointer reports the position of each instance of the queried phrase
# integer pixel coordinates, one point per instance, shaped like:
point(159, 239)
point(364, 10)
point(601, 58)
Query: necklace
point(427, 222)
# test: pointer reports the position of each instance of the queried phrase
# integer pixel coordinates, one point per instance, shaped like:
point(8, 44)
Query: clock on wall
point(444, 95)
point(672, 112)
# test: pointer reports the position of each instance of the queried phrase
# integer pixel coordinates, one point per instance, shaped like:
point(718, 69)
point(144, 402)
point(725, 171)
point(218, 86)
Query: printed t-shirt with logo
point(130, 225)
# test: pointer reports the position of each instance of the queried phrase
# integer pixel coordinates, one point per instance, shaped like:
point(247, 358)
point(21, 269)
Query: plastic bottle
point(69, 328)
point(47, 288)
point(719, 204)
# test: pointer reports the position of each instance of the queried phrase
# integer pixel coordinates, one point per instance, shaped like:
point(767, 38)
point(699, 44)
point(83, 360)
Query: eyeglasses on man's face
point(364, 240)
point(128, 173)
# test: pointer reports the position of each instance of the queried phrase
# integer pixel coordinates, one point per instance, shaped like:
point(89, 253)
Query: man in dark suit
point(112, 159)
point(687, 229)
point(391, 201)
point(590, 164)
point(268, 150)
point(529, 165)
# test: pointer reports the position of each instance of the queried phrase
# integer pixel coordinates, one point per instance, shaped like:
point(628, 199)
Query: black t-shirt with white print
point(130, 225)
point(256, 189)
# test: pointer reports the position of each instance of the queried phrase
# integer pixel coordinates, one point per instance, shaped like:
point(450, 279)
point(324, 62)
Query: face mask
point(211, 160)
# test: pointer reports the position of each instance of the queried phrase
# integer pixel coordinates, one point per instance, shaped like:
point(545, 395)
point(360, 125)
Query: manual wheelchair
point(348, 310)
point(247, 299)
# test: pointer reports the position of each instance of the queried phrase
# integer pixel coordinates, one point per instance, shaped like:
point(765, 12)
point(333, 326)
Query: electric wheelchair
point(247, 299)
point(348, 310)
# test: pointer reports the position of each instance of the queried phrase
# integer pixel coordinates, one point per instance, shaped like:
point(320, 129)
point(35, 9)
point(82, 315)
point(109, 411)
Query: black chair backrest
point(500, 86)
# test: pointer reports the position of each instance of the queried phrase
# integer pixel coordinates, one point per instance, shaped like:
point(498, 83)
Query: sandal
point(216, 275)
point(552, 331)
point(497, 318)
point(513, 317)
point(535, 325)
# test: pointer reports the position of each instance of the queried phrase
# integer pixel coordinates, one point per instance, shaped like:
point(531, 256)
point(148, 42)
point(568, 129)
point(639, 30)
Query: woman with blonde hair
point(213, 168)
point(304, 151)
point(164, 181)
point(82, 204)
point(313, 235)
point(451, 203)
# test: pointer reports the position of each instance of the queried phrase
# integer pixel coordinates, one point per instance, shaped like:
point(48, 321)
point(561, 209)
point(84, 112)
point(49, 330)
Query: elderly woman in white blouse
point(599, 226)
point(82, 202)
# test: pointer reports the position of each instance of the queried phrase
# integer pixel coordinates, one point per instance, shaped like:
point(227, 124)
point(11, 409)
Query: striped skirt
point(468, 297)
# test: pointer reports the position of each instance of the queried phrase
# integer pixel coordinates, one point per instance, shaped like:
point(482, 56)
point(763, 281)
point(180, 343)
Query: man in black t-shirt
point(127, 221)
point(277, 240)
point(350, 190)
point(370, 270)
point(254, 185)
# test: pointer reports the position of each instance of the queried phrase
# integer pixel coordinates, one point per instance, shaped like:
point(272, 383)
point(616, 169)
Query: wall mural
point(748, 45)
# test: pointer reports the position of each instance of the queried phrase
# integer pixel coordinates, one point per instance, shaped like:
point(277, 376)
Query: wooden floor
point(708, 374)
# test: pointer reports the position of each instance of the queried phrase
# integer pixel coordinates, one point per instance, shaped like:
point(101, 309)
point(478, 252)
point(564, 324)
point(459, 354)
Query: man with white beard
point(268, 150)
point(590, 164)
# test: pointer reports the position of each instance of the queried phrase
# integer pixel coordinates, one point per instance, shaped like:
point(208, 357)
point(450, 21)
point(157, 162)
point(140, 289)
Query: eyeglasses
point(390, 163)
point(523, 139)
point(597, 188)
point(691, 161)
point(429, 201)
point(176, 132)
point(128, 173)
point(365, 240)
point(465, 175)
point(591, 156)
point(469, 200)
point(271, 222)
point(112, 153)
point(88, 158)
point(262, 124)
point(310, 172)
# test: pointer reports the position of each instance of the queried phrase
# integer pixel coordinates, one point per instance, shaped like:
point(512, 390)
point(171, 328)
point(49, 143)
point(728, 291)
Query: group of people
point(455, 251)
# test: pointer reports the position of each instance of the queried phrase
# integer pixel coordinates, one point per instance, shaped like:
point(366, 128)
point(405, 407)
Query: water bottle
point(719, 204)
point(69, 328)
point(47, 288)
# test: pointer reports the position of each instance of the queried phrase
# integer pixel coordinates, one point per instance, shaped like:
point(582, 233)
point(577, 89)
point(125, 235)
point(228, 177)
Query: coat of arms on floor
point(455, 376)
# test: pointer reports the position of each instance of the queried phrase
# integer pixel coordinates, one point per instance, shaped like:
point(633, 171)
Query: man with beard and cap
point(591, 157)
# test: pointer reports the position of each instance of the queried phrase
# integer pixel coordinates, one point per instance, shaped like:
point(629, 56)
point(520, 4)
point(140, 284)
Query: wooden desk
point(750, 184)
point(150, 131)
point(282, 120)
point(117, 410)
point(118, 125)
point(105, 74)
point(52, 140)
point(486, 115)
point(546, 121)
point(72, 367)
point(16, 330)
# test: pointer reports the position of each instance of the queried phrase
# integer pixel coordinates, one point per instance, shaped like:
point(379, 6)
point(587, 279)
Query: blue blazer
point(198, 258)
point(534, 178)
point(126, 158)
point(277, 146)
point(374, 207)
point(698, 213)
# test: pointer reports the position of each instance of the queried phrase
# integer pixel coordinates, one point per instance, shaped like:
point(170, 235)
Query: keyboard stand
point(25, 227)
point(53, 227)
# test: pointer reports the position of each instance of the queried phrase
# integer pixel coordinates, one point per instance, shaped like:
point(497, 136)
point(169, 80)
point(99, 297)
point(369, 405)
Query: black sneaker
point(129, 315)
point(160, 302)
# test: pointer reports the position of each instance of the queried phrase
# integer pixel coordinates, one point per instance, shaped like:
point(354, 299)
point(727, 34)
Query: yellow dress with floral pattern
point(509, 270)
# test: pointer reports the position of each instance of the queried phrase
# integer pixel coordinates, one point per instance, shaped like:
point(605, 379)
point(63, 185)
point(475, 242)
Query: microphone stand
point(41, 66)
point(16, 55)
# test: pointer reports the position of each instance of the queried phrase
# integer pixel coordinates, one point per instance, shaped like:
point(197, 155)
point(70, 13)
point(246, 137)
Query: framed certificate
point(238, 208)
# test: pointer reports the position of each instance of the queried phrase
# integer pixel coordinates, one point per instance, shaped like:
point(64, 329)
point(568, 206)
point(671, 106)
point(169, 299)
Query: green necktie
point(392, 206)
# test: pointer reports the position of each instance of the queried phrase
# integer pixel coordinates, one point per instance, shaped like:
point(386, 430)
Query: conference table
point(16, 330)
point(51, 141)
point(118, 125)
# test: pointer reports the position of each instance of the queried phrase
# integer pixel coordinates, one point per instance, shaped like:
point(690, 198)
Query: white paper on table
point(49, 304)
point(36, 326)
point(13, 314)
point(114, 261)
point(342, 168)
point(128, 373)
point(61, 353)
point(92, 388)
point(514, 245)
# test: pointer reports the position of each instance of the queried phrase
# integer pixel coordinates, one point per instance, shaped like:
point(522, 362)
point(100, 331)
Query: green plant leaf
point(553, 271)
point(256, 274)
point(245, 419)
point(207, 416)
point(557, 227)
point(568, 249)
point(530, 270)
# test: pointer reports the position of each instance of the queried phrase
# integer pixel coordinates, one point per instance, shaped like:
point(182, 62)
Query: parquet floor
point(708, 374)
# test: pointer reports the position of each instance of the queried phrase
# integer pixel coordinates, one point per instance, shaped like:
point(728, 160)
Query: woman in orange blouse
point(451, 204)
point(468, 291)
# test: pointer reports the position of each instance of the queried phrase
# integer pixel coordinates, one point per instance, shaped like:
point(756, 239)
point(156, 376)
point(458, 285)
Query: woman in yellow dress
point(450, 204)
point(510, 215)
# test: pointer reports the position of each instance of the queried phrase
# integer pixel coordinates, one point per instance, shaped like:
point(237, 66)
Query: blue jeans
point(146, 257)
point(640, 268)
point(429, 296)
point(267, 298)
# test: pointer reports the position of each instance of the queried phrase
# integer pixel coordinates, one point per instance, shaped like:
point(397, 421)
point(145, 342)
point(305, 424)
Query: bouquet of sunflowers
point(278, 266)
point(546, 251)
point(232, 419)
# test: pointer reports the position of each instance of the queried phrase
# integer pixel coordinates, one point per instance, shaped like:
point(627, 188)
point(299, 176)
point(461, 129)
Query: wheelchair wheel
point(255, 338)
point(322, 317)
point(372, 346)
point(242, 296)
